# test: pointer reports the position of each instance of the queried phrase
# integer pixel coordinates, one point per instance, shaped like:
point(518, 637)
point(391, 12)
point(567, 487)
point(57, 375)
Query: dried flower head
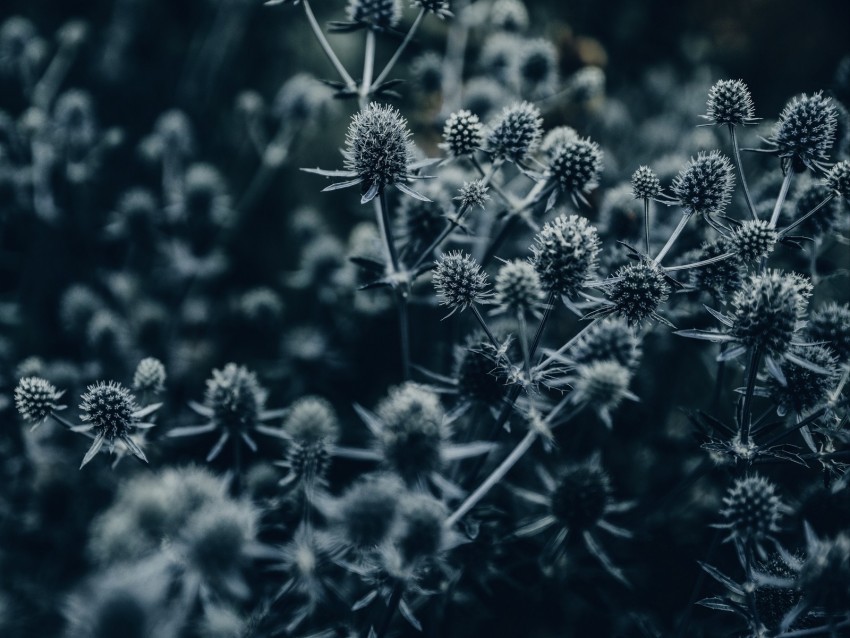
point(565, 254)
point(516, 132)
point(729, 102)
point(805, 132)
point(459, 281)
point(518, 288)
point(645, 183)
point(36, 399)
point(705, 185)
point(462, 133)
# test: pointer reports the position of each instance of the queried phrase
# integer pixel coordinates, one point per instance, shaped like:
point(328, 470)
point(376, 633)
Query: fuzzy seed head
point(838, 179)
point(753, 240)
point(459, 281)
point(378, 146)
point(558, 137)
point(439, 8)
point(473, 194)
point(804, 389)
point(477, 373)
point(509, 15)
point(705, 185)
point(420, 531)
point(518, 288)
point(831, 323)
point(565, 254)
point(752, 509)
point(35, 399)
point(768, 308)
point(149, 376)
point(611, 339)
point(378, 14)
point(368, 508)
point(601, 384)
point(827, 218)
point(645, 183)
point(110, 408)
point(462, 133)
point(582, 494)
point(730, 102)
point(638, 291)
point(311, 420)
point(516, 132)
point(576, 166)
point(235, 397)
point(806, 130)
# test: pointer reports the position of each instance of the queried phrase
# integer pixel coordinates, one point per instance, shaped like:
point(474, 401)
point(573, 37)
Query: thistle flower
point(838, 179)
point(729, 102)
point(575, 167)
point(111, 412)
point(753, 240)
point(801, 389)
point(473, 194)
point(439, 8)
point(301, 100)
point(827, 218)
point(149, 376)
point(36, 399)
point(557, 137)
point(377, 14)
point(509, 15)
point(602, 386)
point(752, 510)
point(705, 185)
point(535, 67)
point(366, 511)
point(516, 132)
point(518, 288)
point(459, 281)
point(427, 72)
point(565, 254)
point(462, 133)
point(645, 183)
point(311, 428)
point(477, 374)
point(805, 132)
point(484, 96)
point(831, 324)
point(418, 537)
point(720, 278)
point(635, 293)
point(611, 339)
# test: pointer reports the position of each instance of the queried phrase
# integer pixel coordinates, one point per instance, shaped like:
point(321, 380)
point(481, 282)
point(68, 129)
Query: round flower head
point(638, 290)
point(601, 385)
point(36, 399)
point(518, 288)
point(838, 179)
point(805, 131)
point(439, 8)
point(802, 388)
point(611, 339)
point(419, 535)
point(149, 376)
point(459, 281)
point(378, 148)
point(515, 133)
point(705, 185)
point(378, 14)
point(753, 510)
point(509, 15)
point(753, 240)
point(366, 511)
point(302, 99)
point(462, 133)
point(484, 96)
point(576, 166)
point(828, 216)
point(824, 577)
point(535, 66)
point(719, 278)
point(427, 72)
point(473, 194)
point(477, 373)
point(234, 397)
point(645, 183)
point(558, 137)
point(311, 420)
point(581, 496)
point(831, 323)
point(565, 253)
point(729, 102)
point(111, 412)
point(767, 310)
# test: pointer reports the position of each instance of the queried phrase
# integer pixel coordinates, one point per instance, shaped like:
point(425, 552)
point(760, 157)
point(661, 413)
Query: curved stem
point(784, 232)
point(326, 47)
point(783, 192)
point(673, 238)
point(407, 39)
point(483, 323)
point(737, 152)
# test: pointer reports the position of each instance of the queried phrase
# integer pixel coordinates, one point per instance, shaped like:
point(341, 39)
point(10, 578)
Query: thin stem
point(440, 238)
point(646, 224)
point(386, 229)
point(550, 303)
point(795, 224)
point(673, 238)
point(407, 39)
point(326, 47)
point(523, 341)
point(737, 152)
point(814, 416)
point(752, 371)
point(483, 323)
point(368, 67)
point(783, 192)
point(560, 351)
point(404, 329)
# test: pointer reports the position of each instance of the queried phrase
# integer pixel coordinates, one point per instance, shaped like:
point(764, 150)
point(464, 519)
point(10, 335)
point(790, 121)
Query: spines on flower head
point(838, 179)
point(515, 133)
point(518, 288)
point(729, 102)
point(638, 290)
point(565, 254)
point(36, 399)
point(576, 166)
point(645, 183)
point(805, 132)
point(149, 376)
point(752, 510)
point(705, 185)
point(462, 133)
point(459, 281)
point(753, 240)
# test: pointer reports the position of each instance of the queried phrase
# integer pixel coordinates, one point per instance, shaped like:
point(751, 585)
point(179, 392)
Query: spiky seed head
point(773, 603)
point(730, 102)
point(378, 146)
point(218, 537)
point(473, 194)
point(311, 420)
point(558, 137)
point(478, 376)
point(35, 399)
point(484, 96)
point(719, 278)
point(413, 431)
point(427, 71)
point(110, 408)
point(149, 376)
point(459, 281)
point(753, 240)
point(829, 215)
point(602, 385)
point(705, 185)
point(516, 132)
point(235, 397)
point(367, 510)
point(824, 577)
point(767, 310)
point(565, 254)
point(535, 66)
point(831, 323)
point(645, 183)
point(576, 166)
point(462, 133)
point(838, 179)
point(752, 509)
point(611, 339)
point(805, 131)
point(509, 15)
point(638, 290)
point(420, 531)
point(582, 494)
point(620, 214)
point(302, 99)
point(439, 8)
point(518, 288)
point(378, 14)
point(804, 389)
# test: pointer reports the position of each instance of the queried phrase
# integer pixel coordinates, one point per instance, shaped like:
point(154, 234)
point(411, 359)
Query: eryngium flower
point(705, 185)
point(805, 131)
point(477, 375)
point(602, 386)
point(730, 102)
point(419, 534)
point(645, 183)
point(831, 323)
point(767, 310)
point(473, 194)
point(802, 388)
point(378, 148)
point(311, 420)
point(753, 510)
point(509, 15)
point(235, 398)
point(516, 132)
point(149, 376)
point(366, 511)
point(719, 278)
point(838, 179)
point(753, 240)
point(459, 281)
point(535, 66)
point(518, 288)
point(379, 14)
point(638, 290)
point(581, 496)
point(36, 399)
point(565, 253)
point(439, 8)
point(611, 339)
point(576, 167)
point(557, 137)
point(461, 133)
